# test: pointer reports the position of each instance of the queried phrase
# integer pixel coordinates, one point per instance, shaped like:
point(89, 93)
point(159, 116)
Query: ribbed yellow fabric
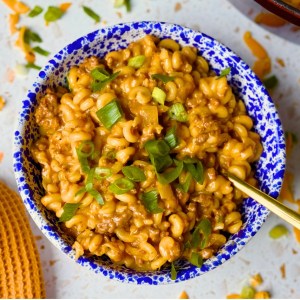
point(20, 268)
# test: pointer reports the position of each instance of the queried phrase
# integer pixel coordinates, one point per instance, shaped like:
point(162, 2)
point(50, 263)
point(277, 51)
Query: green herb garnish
point(271, 82)
point(31, 36)
point(196, 170)
point(40, 50)
point(150, 202)
point(136, 61)
point(224, 73)
point(157, 147)
point(53, 13)
point(85, 150)
point(121, 186)
point(201, 234)
point(69, 211)
point(177, 112)
point(110, 114)
point(170, 175)
point(173, 272)
point(35, 11)
point(32, 66)
point(98, 85)
point(159, 95)
point(278, 231)
point(171, 138)
point(248, 292)
point(126, 3)
point(196, 259)
point(163, 78)
point(134, 173)
point(91, 13)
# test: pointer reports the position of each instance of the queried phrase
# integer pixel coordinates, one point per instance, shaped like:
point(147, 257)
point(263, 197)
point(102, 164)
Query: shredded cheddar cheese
point(269, 19)
point(29, 55)
point(17, 6)
point(65, 6)
point(2, 103)
point(262, 66)
point(13, 21)
point(297, 234)
point(1, 156)
point(286, 192)
point(184, 295)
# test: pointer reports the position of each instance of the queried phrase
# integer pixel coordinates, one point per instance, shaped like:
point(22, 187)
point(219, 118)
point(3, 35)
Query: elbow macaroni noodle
point(218, 132)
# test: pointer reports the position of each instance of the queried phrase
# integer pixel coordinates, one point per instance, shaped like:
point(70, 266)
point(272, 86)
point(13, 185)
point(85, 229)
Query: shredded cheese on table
point(17, 6)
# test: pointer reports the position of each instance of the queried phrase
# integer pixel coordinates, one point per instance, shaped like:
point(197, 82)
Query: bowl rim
point(87, 262)
point(282, 10)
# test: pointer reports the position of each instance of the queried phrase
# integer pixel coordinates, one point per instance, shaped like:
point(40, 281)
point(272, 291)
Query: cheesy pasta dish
point(133, 152)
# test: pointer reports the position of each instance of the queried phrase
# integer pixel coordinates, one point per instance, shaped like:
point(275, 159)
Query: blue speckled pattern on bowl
point(269, 169)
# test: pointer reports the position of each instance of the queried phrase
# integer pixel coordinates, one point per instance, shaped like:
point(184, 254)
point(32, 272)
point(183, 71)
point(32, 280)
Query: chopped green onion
point(53, 13)
point(173, 272)
point(248, 292)
point(110, 114)
point(91, 13)
point(80, 191)
point(90, 179)
point(134, 173)
point(96, 195)
point(204, 230)
point(35, 11)
point(86, 149)
point(163, 78)
point(196, 170)
point(224, 72)
point(31, 36)
point(278, 231)
point(190, 160)
point(121, 186)
point(110, 155)
point(186, 185)
point(270, 82)
point(159, 95)
point(102, 173)
point(150, 201)
point(157, 147)
point(196, 259)
point(69, 211)
point(171, 138)
point(119, 3)
point(177, 112)
point(137, 61)
point(41, 51)
point(32, 66)
point(100, 74)
point(83, 155)
point(170, 175)
point(160, 163)
point(99, 85)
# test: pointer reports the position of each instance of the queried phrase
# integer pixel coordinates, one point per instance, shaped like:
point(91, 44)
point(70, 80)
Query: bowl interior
point(269, 169)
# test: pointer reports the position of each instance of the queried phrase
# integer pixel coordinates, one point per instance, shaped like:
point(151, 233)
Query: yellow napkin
point(20, 268)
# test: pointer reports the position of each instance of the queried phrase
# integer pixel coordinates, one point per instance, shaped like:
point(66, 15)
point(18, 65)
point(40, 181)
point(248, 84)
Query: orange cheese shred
point(29, 55)
point(1, 156)
point(65, 6)
point(233, 296)
point(256, 48)
point(269, 19)
point(262, 66)
point(13, 20)
point(17, 6)
point(297, 234)
point(286, 192)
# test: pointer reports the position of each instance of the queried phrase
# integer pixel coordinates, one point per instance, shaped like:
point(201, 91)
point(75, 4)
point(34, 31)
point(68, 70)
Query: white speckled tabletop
point(222, 20)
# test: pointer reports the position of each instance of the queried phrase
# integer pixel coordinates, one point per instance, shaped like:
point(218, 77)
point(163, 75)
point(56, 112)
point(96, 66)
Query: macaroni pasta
point(156, 108)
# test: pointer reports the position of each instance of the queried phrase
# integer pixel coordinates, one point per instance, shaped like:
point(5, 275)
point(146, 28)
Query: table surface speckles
point(222, 20)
